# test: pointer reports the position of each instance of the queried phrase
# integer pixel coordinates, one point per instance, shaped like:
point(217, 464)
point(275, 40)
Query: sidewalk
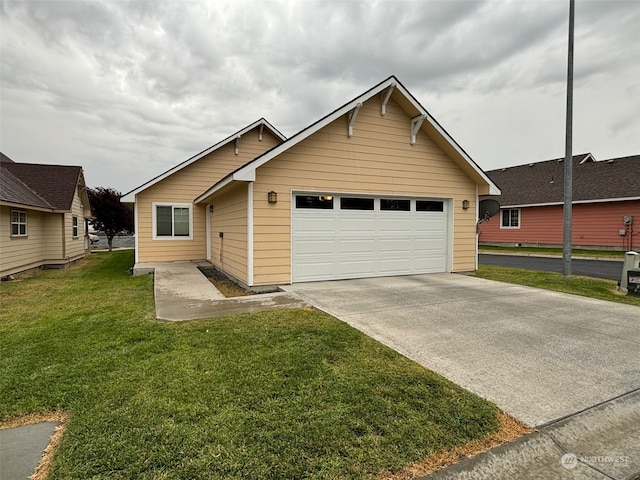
point(182, 292)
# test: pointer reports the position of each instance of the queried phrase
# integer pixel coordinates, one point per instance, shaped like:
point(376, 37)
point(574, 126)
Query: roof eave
point(25, 206)
point(130, 197)
point(551, 204)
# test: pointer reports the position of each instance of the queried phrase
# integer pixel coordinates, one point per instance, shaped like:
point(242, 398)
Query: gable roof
point(542, 183)
point(50, 187)
point(130, 196)
point(391, 85)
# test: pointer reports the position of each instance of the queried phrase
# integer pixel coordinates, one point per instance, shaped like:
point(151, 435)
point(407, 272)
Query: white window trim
point(26, 224)
point(171, 204)
point(502, 227)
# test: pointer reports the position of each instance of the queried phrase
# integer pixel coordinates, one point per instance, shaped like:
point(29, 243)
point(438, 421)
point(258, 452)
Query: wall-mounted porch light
point(272, 197)
point(465, 204)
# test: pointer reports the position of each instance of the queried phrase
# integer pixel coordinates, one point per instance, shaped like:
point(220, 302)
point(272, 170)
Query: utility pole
point(568, 155)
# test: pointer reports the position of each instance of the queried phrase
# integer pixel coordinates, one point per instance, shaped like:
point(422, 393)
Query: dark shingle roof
point(543, 182)
point(12, 190)
point(45, 186)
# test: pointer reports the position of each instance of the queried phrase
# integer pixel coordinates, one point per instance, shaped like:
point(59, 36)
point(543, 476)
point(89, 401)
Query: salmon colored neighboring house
point(44, 211)
point(605, 208)
point(375, 188)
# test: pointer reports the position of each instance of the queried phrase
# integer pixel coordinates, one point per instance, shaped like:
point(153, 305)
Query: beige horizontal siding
point(75, 246)
point(378, 159)
point(230, 217)
point(183, 187)
point(19, 253)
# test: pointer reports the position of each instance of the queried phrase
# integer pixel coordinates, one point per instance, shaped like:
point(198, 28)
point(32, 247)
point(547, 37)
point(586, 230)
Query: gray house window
point(172, 221)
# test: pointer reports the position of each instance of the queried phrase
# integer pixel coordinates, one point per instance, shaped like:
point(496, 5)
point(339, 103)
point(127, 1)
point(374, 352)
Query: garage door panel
point(357, 268)
point(314, 247)
point(314, 225)
point(356, 245)
point(389, 224)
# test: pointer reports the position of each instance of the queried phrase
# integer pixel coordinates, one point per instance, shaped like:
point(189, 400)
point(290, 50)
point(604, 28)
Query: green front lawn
point(577, 285)
point(280, 394)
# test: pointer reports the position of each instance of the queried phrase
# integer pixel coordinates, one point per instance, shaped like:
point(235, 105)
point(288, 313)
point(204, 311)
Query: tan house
point(44, 211)
point(375, 188)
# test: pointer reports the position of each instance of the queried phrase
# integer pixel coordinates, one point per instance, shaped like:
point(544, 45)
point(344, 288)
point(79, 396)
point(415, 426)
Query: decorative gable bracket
point(385, 99)
point(353, 114)
point(416, 123)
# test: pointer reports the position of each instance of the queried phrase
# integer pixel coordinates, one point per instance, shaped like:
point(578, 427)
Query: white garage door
point(340, 236)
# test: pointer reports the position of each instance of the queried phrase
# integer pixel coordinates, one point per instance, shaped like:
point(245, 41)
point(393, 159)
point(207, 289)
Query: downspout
point(250, 234)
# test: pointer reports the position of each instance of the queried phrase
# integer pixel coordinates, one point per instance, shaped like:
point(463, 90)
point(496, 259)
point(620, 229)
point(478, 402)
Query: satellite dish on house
point(488, 208)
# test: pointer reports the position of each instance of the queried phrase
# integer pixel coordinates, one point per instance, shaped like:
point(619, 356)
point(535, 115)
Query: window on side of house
point(18, 223)
point(510, 218)
point(172, 221)
point(74, 227)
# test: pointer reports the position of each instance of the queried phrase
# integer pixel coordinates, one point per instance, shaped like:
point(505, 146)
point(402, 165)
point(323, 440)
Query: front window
point(18, 223)
point(510, 218)
point(172, 221)
point(74, 227)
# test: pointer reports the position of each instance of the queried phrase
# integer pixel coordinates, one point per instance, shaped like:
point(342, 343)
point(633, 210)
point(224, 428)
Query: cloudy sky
point(129, 89)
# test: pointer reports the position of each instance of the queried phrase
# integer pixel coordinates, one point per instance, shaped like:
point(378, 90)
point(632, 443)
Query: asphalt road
point(119, 241)
point(611, 270)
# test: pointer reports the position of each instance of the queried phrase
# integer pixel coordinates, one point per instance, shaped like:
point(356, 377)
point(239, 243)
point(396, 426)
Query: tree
point(110, 215)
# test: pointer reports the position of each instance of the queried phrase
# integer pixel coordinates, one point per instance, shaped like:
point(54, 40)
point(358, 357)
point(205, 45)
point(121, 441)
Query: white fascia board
point(222, 183)
point(575, 202)
point(129, 197)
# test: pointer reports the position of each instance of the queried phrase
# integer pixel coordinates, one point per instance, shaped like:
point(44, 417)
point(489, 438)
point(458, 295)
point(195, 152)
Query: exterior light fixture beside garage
point(465, 204)
point(272, 197)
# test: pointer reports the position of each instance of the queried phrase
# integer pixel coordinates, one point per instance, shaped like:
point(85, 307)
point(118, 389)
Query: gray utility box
point(633, 283)
point(631, 262)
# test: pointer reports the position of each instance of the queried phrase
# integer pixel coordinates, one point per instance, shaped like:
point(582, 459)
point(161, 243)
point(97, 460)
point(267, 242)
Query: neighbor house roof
point(49, 187)
point(542, 183)
point(131, 196)
point(422, 119)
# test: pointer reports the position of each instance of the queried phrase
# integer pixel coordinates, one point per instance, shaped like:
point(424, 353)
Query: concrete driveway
point(538, 355)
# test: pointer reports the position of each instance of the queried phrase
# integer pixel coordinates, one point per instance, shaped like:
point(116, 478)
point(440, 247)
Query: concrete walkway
point(21, 449)
point(182, 292)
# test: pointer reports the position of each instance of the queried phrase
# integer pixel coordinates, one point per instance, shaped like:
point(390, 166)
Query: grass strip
point(554, 251)
point(585, 286)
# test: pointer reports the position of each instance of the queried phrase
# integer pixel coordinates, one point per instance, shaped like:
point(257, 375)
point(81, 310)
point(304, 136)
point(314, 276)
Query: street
point(608, 269)
point(119, 241)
